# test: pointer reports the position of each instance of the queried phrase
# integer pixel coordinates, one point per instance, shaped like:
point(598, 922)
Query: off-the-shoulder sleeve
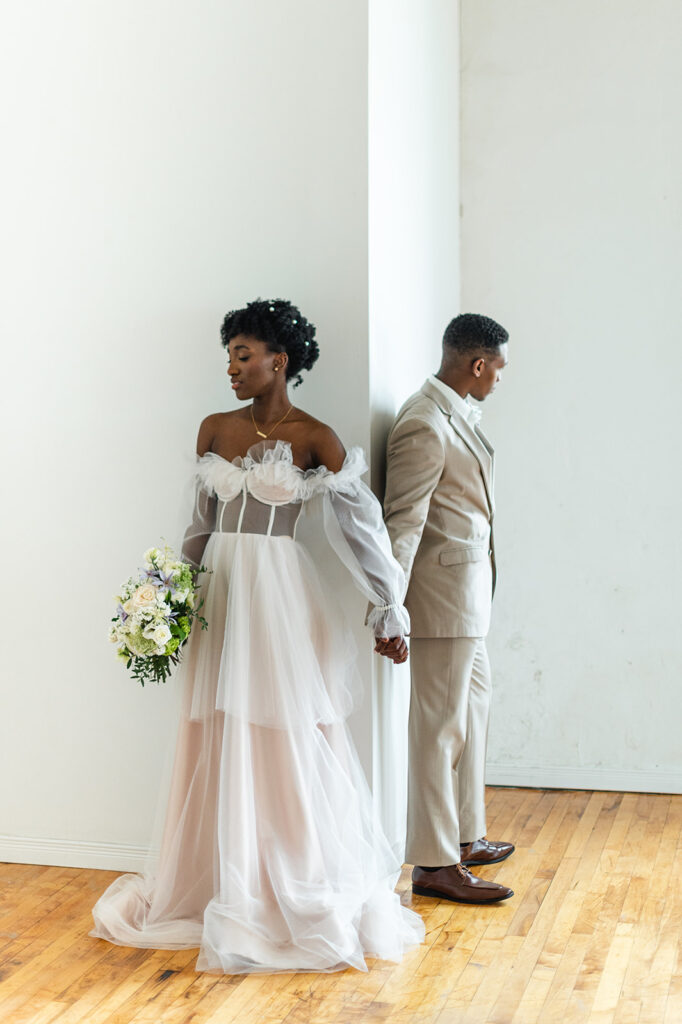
point(203, 514)
point(354, 525)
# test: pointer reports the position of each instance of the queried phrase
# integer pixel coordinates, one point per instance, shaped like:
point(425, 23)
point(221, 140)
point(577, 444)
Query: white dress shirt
point(471, 413)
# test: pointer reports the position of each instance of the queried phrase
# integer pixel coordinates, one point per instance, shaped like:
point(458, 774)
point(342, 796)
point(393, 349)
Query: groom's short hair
point(471, 332)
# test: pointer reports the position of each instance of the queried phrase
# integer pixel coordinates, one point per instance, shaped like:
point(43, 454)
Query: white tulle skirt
point(271, 858)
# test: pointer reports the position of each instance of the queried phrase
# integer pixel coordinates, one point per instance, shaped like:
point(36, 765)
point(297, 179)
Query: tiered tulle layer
point(271, 858)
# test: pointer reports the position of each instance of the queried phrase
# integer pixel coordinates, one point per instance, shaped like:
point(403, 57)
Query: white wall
point(164, 163)
point(572, 238)
point(413, 273)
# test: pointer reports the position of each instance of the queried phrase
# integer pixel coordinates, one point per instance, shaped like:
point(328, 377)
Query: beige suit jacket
point(439, 511)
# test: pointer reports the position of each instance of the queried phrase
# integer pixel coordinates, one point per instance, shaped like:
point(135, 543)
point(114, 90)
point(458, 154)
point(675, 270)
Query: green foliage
point(154, 668)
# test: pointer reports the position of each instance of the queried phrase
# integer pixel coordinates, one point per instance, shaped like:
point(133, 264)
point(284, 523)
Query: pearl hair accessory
point(294, 320)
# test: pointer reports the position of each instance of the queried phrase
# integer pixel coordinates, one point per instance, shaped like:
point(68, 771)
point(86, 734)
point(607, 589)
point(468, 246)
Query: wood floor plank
point(645, 902)
point(534, 995)
point(85, 994)
point(552, 825)
point(555, 1008)
point(520, 970)
point(592, 967)
point(514, 806)
point(130, 993)
point(53, 950)
point(627, 1012)
point(608, 991)
point(31, 905)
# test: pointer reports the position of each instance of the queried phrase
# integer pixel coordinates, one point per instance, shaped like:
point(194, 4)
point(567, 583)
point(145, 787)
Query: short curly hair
point(282, 327)
point(471, 332)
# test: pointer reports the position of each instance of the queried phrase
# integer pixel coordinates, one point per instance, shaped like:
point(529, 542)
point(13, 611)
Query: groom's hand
point(394, 648)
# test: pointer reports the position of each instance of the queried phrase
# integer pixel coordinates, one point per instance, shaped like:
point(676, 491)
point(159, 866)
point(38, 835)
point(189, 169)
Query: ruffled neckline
point(269, 472)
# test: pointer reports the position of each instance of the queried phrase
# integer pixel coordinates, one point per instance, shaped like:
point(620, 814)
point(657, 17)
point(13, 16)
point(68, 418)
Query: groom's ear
point(477, 366)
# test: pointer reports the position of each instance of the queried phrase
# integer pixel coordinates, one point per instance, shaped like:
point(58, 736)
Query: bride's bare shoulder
point(212, 426)
point(327, 448)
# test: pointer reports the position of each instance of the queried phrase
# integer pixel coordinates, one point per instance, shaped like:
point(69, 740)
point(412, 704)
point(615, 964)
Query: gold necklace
point(260, 432)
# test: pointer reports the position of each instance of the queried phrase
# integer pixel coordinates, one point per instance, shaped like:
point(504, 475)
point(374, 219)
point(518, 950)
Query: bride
point(272, 858)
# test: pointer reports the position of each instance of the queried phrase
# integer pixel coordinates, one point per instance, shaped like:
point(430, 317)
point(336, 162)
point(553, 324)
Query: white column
point(414, 275)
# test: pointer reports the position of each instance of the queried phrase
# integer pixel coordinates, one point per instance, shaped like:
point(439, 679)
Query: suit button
point(490, 552)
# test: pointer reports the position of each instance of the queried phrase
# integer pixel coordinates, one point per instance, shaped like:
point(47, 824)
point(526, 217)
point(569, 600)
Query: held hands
point(394, 648)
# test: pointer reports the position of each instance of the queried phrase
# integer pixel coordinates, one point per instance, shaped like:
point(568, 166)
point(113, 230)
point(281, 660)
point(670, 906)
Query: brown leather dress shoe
point(483, 851)
point(457, 884)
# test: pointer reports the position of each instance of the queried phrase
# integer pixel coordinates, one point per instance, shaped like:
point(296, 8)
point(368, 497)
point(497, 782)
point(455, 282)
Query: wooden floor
point(592, 935)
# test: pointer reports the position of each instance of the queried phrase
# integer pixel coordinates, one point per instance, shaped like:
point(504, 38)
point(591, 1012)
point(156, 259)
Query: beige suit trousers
point(448, 733)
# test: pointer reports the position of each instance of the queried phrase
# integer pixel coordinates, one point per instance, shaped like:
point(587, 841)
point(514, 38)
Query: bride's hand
point(394, 648)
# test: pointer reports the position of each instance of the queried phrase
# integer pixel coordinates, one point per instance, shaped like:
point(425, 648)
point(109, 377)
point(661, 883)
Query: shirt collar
point(470, 412)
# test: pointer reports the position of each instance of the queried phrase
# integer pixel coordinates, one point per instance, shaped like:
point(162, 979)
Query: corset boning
point(246, 514)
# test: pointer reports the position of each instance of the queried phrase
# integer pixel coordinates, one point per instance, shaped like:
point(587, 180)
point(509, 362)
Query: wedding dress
point(272, 858)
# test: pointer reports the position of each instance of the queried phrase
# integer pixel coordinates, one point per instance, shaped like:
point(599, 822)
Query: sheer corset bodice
point(265, 494)
point(246, 514)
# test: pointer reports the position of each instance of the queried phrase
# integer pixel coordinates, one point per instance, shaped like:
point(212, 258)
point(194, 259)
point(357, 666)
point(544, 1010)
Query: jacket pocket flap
point(455, 556)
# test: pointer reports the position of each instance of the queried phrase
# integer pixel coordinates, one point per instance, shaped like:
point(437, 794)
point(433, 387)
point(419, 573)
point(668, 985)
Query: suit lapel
point(473, 437)
point(480, 448)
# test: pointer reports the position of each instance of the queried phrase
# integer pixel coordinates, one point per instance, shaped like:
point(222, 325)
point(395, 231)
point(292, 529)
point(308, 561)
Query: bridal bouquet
point(155, 614)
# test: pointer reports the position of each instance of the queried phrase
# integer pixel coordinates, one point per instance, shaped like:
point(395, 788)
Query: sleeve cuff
point(389, 620)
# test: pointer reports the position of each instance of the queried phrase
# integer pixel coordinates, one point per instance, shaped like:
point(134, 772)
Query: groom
point(439, 513)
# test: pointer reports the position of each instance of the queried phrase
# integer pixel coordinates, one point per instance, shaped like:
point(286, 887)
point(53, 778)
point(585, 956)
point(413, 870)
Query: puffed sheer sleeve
point(215, 480)
point(354, 526)
point(202, 524)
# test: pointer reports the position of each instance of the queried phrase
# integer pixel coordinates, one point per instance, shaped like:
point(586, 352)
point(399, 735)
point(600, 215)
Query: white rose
point(143, 599)
point(161, 635)
point(152, 556)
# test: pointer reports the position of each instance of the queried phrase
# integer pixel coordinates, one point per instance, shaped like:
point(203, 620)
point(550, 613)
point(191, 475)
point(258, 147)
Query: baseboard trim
point(617, 780)
point(67, 853)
